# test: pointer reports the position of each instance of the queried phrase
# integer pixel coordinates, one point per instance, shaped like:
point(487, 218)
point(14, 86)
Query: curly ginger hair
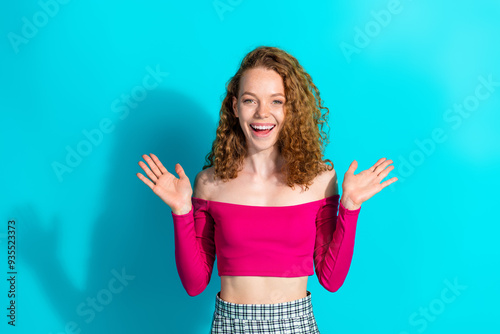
point(300, 140)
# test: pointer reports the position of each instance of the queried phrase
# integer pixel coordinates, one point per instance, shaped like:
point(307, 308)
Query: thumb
point(180, 170)
point(353, 167)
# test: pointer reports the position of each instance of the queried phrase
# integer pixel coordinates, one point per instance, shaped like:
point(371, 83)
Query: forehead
point(261, 81)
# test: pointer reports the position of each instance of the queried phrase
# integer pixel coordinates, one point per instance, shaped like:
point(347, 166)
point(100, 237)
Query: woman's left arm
point(358, 188)
point(335, 233)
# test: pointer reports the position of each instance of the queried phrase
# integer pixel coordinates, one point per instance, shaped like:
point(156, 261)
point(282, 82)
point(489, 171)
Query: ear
point(235, 106)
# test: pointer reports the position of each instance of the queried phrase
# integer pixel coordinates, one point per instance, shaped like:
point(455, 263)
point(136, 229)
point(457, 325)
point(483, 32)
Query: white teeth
point(258, 127)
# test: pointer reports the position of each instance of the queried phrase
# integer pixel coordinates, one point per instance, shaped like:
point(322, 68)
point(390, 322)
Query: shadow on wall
point(132, 284)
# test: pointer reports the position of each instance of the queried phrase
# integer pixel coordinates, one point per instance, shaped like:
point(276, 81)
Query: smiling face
point(260, 106)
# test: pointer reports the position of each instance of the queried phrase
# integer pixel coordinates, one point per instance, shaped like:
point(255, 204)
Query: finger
point(384, 173)
point(152, 165)
point(145, 180)
point(383, 166)
point(180, 171)
point(377, 164)
point(352, 167)
point(388, 182)
point(148, 172)
point(159, 164)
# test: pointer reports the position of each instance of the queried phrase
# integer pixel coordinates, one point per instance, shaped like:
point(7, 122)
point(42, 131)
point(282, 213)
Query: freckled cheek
point(281, 115)
point(246, 110)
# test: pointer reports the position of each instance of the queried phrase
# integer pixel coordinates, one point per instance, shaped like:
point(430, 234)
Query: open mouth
point(262, 130)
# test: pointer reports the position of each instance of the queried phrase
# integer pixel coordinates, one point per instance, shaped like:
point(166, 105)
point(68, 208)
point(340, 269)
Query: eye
point(278, 101)
point(247, 100)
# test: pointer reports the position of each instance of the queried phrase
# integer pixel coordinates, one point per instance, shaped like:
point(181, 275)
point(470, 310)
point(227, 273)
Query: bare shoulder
point(327, 183)
point(203, 183)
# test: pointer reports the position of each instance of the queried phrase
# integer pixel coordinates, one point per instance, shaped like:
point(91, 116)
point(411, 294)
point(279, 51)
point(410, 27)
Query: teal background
point(390, 98)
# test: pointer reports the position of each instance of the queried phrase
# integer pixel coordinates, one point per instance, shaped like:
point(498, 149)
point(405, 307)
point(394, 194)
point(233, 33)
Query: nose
point(262, 111)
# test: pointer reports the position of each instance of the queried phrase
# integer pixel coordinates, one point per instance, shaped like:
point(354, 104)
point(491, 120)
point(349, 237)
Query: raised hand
point(358, 188)
point(175, 192)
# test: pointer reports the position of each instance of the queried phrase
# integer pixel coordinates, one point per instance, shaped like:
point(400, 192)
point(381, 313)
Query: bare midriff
point(262, 289)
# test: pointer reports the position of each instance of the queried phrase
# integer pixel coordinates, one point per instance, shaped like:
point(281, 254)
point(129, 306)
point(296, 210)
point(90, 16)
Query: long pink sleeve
point(334, 244)
point(194, 247)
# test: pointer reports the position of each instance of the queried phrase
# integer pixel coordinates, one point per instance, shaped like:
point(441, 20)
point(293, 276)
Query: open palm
point(365, 184)
point(176, 192)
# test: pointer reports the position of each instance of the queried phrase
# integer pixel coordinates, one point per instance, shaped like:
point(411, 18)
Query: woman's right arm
point(194, 247)
point(193, 225)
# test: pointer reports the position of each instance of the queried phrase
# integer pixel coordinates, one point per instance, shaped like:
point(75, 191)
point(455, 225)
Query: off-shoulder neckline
point(262, 206)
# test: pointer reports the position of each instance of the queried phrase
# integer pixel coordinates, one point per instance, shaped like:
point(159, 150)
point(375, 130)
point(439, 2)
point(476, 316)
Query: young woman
point(267, 234)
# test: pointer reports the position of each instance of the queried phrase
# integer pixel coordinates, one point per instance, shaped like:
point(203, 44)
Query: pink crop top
point(279, 241)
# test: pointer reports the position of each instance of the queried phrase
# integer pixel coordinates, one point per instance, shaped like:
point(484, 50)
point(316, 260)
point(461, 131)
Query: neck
point(263, 164)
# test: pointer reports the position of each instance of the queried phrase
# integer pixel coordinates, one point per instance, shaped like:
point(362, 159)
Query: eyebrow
point(275, 94)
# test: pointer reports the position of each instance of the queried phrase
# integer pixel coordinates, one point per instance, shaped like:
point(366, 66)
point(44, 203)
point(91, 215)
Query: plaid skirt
point(293, 317)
